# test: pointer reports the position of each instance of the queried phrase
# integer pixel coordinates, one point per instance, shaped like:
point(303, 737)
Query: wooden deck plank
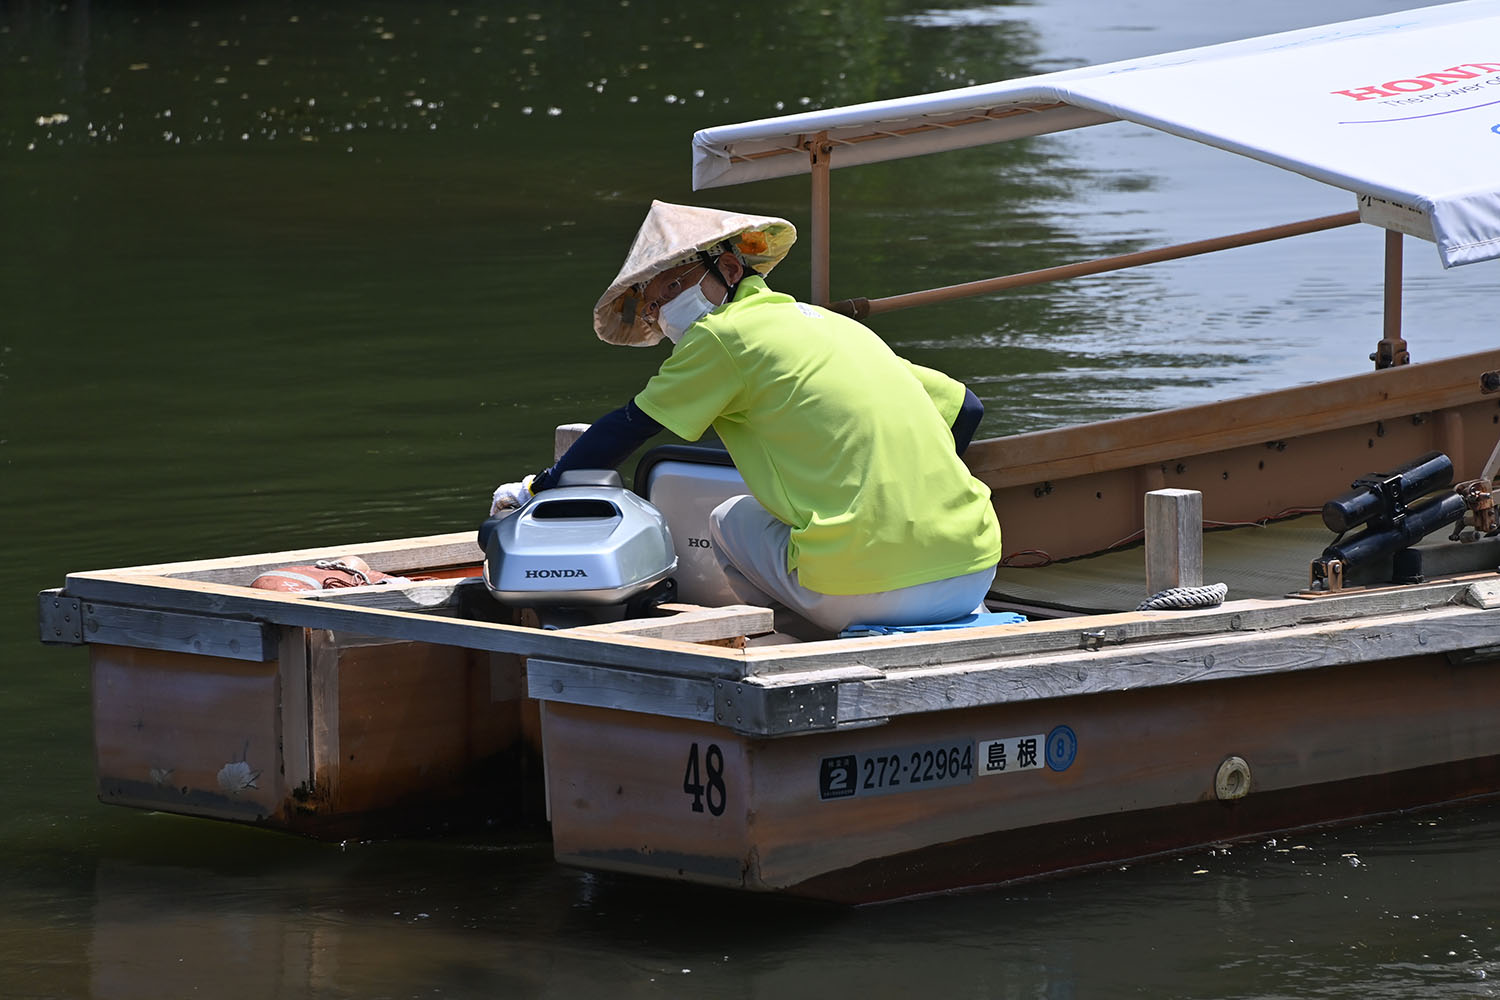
point(1483, 594)
point(691, 624)
point(663, 655)
point(396, 556)
point(867, 696)
point(1165, 664)
point(1063, 634)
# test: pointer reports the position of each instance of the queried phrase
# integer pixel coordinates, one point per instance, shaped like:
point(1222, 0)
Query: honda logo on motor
point(532, 574)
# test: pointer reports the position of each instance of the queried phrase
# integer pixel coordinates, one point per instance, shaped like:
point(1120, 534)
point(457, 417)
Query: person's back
point(836, 436)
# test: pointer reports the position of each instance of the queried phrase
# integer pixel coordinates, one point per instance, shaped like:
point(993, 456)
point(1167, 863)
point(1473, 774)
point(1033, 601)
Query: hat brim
point(673, 235)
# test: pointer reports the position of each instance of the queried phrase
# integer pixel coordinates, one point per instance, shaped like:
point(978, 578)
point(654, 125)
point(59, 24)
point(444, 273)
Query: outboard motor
point(589, 542)
point(1384, 503)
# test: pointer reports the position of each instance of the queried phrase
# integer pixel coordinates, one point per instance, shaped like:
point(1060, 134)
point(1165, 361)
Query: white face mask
point(676, 316)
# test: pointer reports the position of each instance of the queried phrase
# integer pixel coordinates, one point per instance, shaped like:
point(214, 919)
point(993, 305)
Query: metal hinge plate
point(59, 619)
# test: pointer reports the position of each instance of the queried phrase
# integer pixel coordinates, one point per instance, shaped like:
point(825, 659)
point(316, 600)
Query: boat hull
point(339, 735)
point(1319, 746)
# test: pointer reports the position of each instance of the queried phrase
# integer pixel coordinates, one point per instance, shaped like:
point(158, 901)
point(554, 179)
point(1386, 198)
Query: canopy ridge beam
point(989, 115)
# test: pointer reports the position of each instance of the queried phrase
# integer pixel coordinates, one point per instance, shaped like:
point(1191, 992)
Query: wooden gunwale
point(665, 655)
point(1162, 664)
point(289, 609)
point(396, 556)
point(852, 694)
point(878, 677)
point(1169, 435)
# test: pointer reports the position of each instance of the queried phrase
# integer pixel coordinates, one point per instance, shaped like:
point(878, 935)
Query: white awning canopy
point(1401, 109)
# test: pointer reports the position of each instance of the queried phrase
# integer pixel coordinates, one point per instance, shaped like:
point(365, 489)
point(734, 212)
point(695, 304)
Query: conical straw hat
point(672, 235)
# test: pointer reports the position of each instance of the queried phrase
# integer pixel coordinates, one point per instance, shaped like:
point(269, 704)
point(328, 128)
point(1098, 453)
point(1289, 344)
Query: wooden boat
point(697, 743)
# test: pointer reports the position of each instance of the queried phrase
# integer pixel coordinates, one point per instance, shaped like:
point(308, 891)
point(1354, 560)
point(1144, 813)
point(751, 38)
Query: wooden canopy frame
point(1390, 351)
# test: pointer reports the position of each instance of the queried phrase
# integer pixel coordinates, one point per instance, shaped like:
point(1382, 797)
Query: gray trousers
point(751, 546)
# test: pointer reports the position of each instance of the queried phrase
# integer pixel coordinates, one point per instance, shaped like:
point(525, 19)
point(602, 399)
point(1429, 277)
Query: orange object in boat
point(325, 574)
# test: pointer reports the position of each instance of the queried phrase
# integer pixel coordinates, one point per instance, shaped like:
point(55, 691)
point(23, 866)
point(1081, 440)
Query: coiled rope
point(1177, 598)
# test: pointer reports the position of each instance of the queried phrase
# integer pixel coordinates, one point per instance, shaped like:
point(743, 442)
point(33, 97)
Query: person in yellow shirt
point(860, 508)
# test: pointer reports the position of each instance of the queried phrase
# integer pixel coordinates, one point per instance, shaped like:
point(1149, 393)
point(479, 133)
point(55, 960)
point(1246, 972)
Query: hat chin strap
point(711, 261)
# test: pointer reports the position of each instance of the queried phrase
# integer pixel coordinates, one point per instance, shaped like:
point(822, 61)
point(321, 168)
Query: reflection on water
point(281, 274)
point(1393, 910)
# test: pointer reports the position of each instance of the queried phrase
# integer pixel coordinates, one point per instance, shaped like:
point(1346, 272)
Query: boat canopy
point(1401, 109)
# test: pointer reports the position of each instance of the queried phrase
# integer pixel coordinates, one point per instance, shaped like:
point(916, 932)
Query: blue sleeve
point(608, 442)
point(967, 421)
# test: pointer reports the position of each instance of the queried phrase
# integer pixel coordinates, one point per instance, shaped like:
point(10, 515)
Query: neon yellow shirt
point(836, 436)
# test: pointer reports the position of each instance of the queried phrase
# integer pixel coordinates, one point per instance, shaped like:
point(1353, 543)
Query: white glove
point(511, 495)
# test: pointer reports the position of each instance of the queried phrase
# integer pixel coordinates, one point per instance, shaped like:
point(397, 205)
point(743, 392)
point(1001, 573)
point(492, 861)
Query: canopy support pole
point(1391, 350)
point(819, 151)
point(861, 308)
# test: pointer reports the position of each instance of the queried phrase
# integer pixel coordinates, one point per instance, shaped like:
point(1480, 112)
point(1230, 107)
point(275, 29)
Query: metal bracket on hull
point(59, 619)
point(776, 711)
point(70, 621)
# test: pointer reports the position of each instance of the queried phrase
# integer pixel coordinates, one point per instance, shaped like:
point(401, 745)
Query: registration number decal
point(937, 765)
point(903, 769)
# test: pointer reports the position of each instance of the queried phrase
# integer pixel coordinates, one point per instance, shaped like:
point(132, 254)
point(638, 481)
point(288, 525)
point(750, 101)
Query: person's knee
point(719, 513)
point(731, 518)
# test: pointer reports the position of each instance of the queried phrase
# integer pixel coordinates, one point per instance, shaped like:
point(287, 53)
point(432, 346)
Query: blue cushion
point(967, 621)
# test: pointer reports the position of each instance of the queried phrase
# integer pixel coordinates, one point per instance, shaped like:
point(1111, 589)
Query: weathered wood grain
point(1124, 628)
point(398, 557)
point(691, 624)
point(1483, 594)
point(563, 436)
point(295, 723)
point(865, 696)
point(402, 722)
point(209, 635)
point(1174, 540)
point(1166, 664)
point(288, 609)
point(666, 655)
point(626, 690)
point(187, 733)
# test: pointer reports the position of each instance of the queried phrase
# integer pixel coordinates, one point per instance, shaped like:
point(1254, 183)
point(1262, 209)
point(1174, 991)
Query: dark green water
point(294, 274)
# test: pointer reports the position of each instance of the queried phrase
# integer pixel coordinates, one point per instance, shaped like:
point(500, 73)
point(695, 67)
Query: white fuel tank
point(685, 483)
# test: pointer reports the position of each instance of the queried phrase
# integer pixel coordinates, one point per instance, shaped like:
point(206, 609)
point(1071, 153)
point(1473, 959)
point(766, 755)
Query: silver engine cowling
point(589, 541)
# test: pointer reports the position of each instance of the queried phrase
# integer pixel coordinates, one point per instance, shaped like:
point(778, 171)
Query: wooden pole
point(563, 437)
point(1174, 540)
point(819, 153)
point(860, 308)
point(1391, 350)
